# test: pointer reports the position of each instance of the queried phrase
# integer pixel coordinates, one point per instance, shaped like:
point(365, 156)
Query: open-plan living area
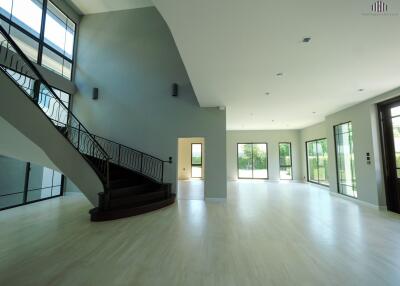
point(199, 142)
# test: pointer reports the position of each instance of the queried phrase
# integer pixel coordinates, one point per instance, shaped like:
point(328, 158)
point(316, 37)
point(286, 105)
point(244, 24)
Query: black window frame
point(308, 171)
point(286, 166)
point(41, 41)
point(252, 160)
point(338, 184)
point(196, 165)
point(26, 190)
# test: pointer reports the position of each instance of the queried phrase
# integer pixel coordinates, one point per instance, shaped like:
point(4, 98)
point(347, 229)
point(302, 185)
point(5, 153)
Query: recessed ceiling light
point(279, 74)
point(267, 93)
point(361, 90)
point(306, 39)
point(273, 120)
point(314, 112)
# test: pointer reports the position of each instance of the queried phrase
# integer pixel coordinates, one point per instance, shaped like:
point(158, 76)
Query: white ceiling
point(233, 49)
point(100, 6)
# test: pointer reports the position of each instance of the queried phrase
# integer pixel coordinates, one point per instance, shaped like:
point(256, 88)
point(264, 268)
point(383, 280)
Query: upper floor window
point(25, 13)
point(49, 43)
point(59, 31)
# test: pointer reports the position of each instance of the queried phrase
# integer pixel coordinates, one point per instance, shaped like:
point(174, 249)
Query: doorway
point(191, 166)
point(389, 113)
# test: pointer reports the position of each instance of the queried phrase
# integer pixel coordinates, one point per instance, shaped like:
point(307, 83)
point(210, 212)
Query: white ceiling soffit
point(234, 49)
point(100, 6)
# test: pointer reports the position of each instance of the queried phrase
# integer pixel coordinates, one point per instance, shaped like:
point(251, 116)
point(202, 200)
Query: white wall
point(272, 138)
point(185, 157)
point(133, 60)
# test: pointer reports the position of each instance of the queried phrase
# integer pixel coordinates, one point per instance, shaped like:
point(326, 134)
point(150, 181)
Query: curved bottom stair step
point(98, 215)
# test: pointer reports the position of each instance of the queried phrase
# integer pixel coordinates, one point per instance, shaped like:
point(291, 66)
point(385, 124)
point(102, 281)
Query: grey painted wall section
point(133, 60)
point(272, 138)
point(317, 131)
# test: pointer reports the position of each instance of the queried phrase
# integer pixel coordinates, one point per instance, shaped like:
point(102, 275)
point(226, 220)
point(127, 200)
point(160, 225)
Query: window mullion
point(42, 29)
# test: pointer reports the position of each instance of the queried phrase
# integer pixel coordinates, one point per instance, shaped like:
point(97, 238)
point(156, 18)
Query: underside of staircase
point(133, 181)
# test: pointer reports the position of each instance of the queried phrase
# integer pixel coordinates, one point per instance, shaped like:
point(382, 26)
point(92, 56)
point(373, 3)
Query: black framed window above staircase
point(45, 33)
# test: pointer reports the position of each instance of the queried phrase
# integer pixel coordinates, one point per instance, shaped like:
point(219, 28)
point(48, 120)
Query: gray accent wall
point(272, 137)
point(132, 58)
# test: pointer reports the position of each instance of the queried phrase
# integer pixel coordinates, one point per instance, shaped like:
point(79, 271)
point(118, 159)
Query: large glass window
point(252, 161)
point(197, 160)
point(43, 183)
point(285, 161)
point(317, 161)
point(59, 31)
point(25, 13)
point(24, 182)
point(345, 159)
point(49, 43)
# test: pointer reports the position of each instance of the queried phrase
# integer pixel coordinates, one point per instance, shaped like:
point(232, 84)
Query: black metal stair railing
point(135, 160)
point(132, 159)
point(16, 65)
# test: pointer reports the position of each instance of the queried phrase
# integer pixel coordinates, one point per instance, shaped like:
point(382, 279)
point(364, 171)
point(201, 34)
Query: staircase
point(132, 181)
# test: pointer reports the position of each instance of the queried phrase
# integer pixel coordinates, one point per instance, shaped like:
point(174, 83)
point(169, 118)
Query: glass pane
point(245, 162)
point(196, 154)
point(196, 172)
point(285, 156)
point(396, 137)
point(345, 160)
point(312, 161)
point(5, 8)
point(285, 173)
point(322, 149)
point(28, 45)
point(395, 111)
point(12, 181)
point(40, 182)
point(59, 31)
point(25, 13)
point(56, 63)
point(260, 161)
point(23, 81)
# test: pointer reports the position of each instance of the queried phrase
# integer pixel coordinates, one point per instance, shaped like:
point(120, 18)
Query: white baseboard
point(381, 208)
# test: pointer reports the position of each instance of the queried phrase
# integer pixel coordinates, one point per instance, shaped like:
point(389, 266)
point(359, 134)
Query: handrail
point(86, 143)
point(45, 98)
point(124, 156)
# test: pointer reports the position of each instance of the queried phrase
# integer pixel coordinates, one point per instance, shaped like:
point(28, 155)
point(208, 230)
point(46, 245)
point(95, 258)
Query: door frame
point(387, 148)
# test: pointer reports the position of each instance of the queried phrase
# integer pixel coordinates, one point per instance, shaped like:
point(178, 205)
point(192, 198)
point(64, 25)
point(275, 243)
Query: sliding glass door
point(252, 160)
point(317, 161)
point(285, 161)
point(345, 159)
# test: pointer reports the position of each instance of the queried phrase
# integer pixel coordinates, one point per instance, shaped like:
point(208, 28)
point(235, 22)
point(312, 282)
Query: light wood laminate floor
point(264, 234)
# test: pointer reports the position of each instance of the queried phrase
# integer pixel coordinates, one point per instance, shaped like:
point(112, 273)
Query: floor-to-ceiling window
point(44, 33)
point(317, 161)
point(285, 161)
point(345, 159)
point(24, 182)
point(252, 160)
point(197, 160)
